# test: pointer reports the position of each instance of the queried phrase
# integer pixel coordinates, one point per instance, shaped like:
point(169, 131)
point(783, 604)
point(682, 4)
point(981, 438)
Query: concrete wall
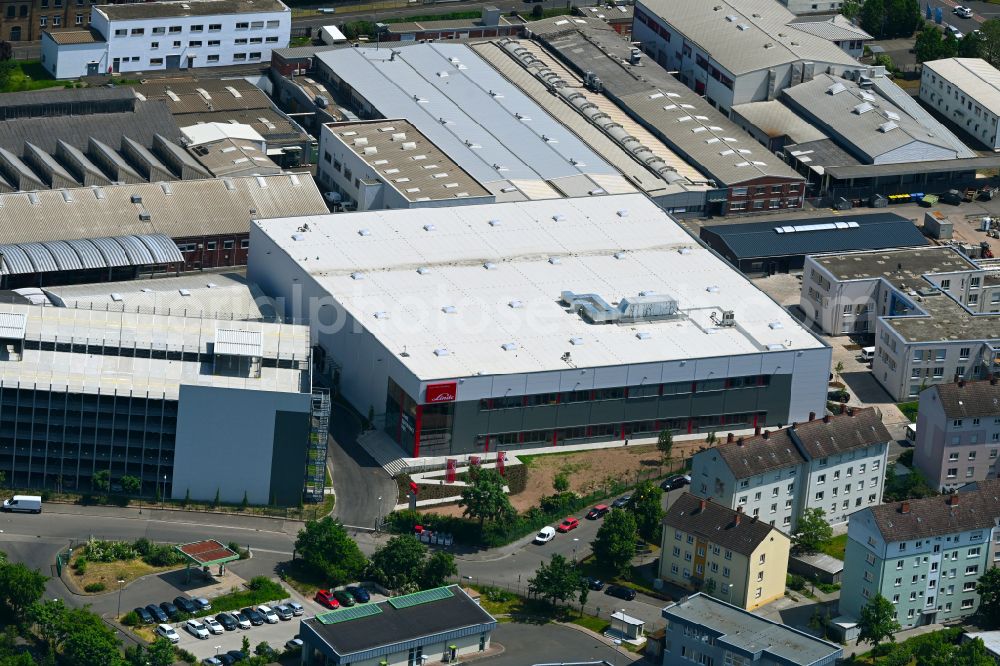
point(69, 61)
point(952, 102)
point(848, 482)
point(953, 453)
point(228, 440)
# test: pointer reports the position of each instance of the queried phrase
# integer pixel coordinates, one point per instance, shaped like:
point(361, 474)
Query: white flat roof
point(200, 133)
point(974, 76)
point(475, 289)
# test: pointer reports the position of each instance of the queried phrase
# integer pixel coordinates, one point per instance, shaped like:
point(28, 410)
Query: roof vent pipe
point(729, 438)
point(826, 418)
point(756, 431)
point(904, 507)
point(767, 435)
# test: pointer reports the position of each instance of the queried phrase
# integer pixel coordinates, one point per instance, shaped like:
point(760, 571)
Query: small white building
point(966, 91)
point(169, 35)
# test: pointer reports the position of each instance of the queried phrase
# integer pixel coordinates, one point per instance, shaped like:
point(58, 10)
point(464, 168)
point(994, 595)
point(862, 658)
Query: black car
point(595, 584)
point(674, 482)
point(225, 659)
point(598, 511)
point(621, 502)
point(144, 615)
point(236, 655)
point(185, 605)
point(170, 610)
point(346, 600)
point(621, 592)
point(227, 621)
point(157, 613)
point(256, 618)
point(360, 594)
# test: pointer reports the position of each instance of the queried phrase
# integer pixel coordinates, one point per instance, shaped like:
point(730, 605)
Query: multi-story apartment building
point(146, 37)
point(958, 433)
point(925, 555)
point(836, 463)
point(725, 553)
point(932, 311)
point(967, 92)
point(705, 630)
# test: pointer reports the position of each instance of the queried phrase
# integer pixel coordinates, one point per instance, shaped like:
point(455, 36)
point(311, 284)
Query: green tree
point(647, 510)
point(614, 546)
point(665, 445)
point(47, 617)
point(438, 568)
point(485, 498)
point(20, 587)
point(929, 44)
point(398, 564)
point(88, 641)
point(972, 653)
point(245, 645)
point(245, 503)
point(850, 8)
point(101, 480)
point(263, 649)
point(328, 550)
point(561, 482)
point(537, 12)
point(556, 581)
point(215, 502)
point(971, 46)
point(131, 484)
point(989, 33)
point(988, 589)
point(812, 531)
point(187, 497)
point(908, 486)
point(877, 622)
point(872, 18)
point(161, 652)
point(135, 655)
point(902, 17)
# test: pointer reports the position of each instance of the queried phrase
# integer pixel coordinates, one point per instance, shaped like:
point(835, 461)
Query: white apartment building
point(156, 36)
point(932, 312)
point(835, 463)
point(967, 92)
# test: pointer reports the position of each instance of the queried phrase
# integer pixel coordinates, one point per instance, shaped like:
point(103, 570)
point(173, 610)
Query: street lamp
point(575, 539)
point(618, 643)
point(217, 648)
point(121, 582)
point(163, 495)
point(379, 518)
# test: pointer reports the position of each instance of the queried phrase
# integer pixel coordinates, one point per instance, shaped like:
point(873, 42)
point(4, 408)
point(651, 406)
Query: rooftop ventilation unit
point(892, 115)
point(555, 261)
point(509, 346)
point(357, 276)
point(595, 310)
point(516, 304)
point(449, 309)
point(888, 126)
point(495, 223)
point(836, 88)
point(364, 232)
point(863, 108)
point(423, 270)
point(576, 341)
point(643, 335)
point(441, 351)
point(489, 265)
point(381, 314)
point(429, 227)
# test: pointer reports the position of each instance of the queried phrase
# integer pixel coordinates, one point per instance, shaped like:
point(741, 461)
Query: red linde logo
point(441, 392)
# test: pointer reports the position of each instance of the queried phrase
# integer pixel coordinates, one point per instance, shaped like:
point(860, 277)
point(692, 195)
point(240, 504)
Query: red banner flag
point(501, 463)
point(452, 466)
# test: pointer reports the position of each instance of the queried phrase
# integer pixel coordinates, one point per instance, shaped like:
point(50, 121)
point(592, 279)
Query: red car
point(326, 598)
point(568, 524)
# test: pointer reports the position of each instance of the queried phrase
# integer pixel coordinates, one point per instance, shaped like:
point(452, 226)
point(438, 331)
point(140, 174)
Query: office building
point(770, 247)
point(439, 625)
point(390, 164)
point(734, 51)
point(170, 35)
point(834, 463)
point(932, 311)
point(958, 433)
point(434, 321)
point(966, 91)
point(191, 406)
point(723, 552)
point(925, 555)
point(742, 176)
point(705, 630)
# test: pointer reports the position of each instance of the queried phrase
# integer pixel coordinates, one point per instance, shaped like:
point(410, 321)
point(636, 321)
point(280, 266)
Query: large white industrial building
point(538, 323)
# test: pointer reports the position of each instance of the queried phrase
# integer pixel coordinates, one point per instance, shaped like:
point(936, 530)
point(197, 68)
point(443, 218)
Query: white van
point(867, 354)
point(24, 504)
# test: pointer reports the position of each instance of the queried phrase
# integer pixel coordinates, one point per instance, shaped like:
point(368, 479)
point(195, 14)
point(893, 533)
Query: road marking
point(274, 552)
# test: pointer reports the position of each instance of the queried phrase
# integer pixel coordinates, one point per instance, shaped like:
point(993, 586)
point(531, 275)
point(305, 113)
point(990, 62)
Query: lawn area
point(30, 75)
point(909, 410)
point(259, 590)
point(299, 578)
point(835, 547)
point(109, 573)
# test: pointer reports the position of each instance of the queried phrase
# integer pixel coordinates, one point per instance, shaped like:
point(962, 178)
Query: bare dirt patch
point(588, 471)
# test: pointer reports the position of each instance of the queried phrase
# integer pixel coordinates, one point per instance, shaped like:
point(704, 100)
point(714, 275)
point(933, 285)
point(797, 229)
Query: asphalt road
point(526, 644)
point(357, 479)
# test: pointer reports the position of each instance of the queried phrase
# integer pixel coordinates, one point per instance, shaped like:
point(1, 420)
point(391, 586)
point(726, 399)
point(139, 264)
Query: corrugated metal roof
point(48, 256)
point(138, 253)
point(40, 257)
point(65, 256)
point(232, 342)
point(14, 260)
point(90, 256)
point(113, 253)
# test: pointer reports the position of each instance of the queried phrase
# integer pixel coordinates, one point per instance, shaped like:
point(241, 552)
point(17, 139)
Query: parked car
point(964, 12)
point(197, 629)
point(595, 584)
point(269, 615)
point(157, 613)
point(598, 512)
point(170, 610)
point(840, 395)
point(955, 31)
point(545, 535)
point(212, 661)
point(185, 604)
point(236, 655)
point(674, 482)
point(213, 625)
point(568, 523)
point(227, 621)
point(326, 598)
point(256, 619)
point(293, 643)
point(144, 615)
point(167, 632)
point(297, 608)
point(621, 502)
point(242, 620)
point(225, 659)
point(203, 604)
point(346, 600)
point(283, 611)
point(23, 504)
point(621, 592)
point(360, 594)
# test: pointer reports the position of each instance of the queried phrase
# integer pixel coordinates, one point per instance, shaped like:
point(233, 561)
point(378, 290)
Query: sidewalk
point(259, 523)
